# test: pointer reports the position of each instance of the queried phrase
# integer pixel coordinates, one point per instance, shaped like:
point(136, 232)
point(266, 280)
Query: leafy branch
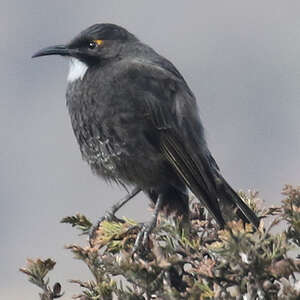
point(238, 262)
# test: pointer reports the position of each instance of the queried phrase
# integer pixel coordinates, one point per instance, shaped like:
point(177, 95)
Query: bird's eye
point(95, 43)
point(92, 45)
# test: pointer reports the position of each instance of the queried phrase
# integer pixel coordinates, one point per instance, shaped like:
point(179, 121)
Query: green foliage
point(36, 270)
point(291, 212)
point(238, 262)
point(79, 221)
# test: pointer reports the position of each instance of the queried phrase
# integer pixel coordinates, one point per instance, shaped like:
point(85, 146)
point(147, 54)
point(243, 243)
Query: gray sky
point(241, 59)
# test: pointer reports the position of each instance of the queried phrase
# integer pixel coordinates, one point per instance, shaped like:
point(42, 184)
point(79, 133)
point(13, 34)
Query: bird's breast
point(103, 126)
point(113, 132)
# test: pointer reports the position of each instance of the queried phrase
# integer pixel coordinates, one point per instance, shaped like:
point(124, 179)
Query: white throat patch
point(77, 69)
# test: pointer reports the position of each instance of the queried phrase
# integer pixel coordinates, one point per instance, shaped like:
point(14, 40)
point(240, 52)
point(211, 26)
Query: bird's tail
point(200, 173)
point(228, 197)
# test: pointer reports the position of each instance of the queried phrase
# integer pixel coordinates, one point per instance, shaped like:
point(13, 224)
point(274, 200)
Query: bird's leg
point(146, 229)
point(110, 214)
point(123, 201)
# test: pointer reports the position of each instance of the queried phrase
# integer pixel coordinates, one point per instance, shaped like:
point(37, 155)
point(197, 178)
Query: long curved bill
point(53, 50)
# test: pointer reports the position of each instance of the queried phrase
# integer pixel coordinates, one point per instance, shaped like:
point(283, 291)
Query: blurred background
point(242, 61)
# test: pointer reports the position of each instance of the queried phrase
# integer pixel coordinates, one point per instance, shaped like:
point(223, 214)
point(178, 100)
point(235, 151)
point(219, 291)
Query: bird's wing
point(172, 109)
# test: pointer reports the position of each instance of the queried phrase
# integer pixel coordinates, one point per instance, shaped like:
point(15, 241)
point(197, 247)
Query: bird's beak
point(53, 50)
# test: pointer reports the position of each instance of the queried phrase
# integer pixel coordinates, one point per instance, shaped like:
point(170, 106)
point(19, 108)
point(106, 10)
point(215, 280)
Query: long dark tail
point(229, 196)
point(201, 175)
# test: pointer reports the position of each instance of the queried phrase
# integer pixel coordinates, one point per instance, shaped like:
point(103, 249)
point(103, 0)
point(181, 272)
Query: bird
point(137, 124)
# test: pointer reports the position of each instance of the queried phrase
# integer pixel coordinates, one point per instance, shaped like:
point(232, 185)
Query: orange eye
point(95, 43)
point(98, 42)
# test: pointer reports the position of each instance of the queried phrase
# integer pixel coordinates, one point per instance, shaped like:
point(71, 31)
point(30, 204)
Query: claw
point(110, 214)
point(143, 235)
point(107, 217)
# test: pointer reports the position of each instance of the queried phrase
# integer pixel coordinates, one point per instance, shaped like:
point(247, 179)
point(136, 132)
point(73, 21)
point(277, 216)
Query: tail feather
point(200, 174)
point(244, 208)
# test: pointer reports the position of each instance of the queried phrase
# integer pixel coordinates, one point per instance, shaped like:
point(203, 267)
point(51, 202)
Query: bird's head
point(98, 43)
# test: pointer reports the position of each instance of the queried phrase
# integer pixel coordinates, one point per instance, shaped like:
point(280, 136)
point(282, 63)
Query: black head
point(94, 44)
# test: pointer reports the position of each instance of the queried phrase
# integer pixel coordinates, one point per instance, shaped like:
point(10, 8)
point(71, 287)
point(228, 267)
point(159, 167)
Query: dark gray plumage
point(136, 122)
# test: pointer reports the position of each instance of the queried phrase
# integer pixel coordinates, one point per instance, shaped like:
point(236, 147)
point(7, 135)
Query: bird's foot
point(146, 228)
point(143, 235)
point(110, 217)
point(110, 214)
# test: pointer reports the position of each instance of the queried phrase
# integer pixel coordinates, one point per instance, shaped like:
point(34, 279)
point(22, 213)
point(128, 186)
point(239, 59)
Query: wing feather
point(172, 109)
point(193, 176)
